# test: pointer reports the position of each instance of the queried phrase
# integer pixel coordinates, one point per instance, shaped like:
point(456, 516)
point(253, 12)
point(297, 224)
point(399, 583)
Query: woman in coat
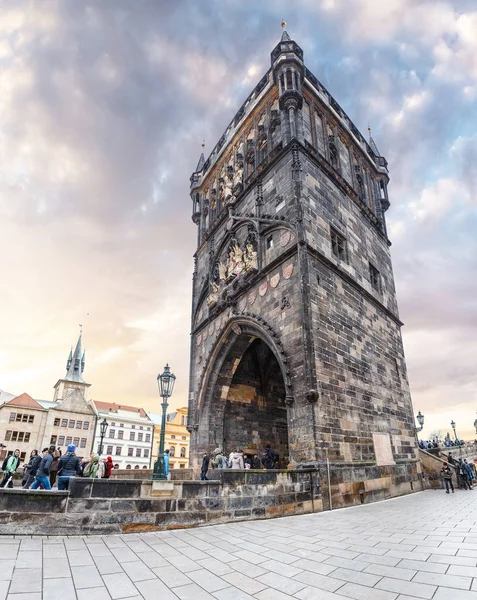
point(108, 467)
point(31, 469)
point(94, 469)
point(54, 466)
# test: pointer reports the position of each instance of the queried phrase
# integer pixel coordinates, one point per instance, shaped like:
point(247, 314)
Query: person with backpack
point(43, 474)
point(236, 460)
point(31, 469)
point(68, 466)
point(468, 473)
point(269, 458)
point(205, 467)
point(10, 465)
point(463, 476)
point(216, 461)
point(95, 468)
point(446, 472)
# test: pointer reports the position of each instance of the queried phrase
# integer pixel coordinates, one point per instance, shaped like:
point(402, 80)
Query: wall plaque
point(383, 449)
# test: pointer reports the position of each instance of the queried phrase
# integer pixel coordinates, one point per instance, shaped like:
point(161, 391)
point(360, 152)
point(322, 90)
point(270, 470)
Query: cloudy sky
point(103, 109)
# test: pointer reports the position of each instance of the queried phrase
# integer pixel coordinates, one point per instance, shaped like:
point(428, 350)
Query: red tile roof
point(113, 407)
point(26, 401)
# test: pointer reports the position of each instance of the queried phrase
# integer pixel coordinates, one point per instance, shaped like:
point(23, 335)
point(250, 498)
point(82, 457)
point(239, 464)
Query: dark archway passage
point(255, 412)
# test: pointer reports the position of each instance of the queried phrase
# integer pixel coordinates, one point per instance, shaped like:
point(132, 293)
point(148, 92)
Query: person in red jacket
point(108, 464)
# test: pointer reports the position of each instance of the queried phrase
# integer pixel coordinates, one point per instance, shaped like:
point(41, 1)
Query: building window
point(12, 416)
point(83, 443)
point(56, 422)
point(24, 418)
point(64, 422)
point(79, 424)
point(61, 440)
point(182, 420)
point(120, 434)
point(148, 429)
point(183, 452)
point(111, 433)
point(31, 418)
point(173, 437)
point(172, 451)
point(144, 467)
point(138, 452)
point(270, 242)
point(8, 435)
point(116, 466)
point(130, 451)
point(53, 440)
point(113, 424)
point(184, 437)
point(22, 456)
point(128, 466)
point(338, 245)
point(85, 424)
point(136, 467)
point(72, 424)
point(132, 435)
point(118, 450)
point(121, 424)
point(148, 437)
point(19, 417)
point(141, 427)
point(76, 441)
point(146, 453)
point(68, 441)
point(109, 449)
point(374, 277)
point(139, 437)
point(133, 426)
point(182, 466)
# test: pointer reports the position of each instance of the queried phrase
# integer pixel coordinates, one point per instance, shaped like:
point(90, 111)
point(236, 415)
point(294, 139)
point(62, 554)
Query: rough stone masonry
point(296, 336)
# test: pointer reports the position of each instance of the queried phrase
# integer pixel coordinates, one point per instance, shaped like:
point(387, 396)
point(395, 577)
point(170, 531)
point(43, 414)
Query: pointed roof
point(25, 401)
point(201, 163)
point(75, 363)
point(285, 36)
point(372, 143)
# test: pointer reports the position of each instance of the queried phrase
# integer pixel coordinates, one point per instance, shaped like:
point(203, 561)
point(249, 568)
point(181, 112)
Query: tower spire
point(76, 362)
point(372, 143)
point(285, 36)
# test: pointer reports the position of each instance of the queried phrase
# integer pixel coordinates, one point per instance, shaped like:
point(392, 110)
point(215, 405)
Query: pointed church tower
point(73, 380)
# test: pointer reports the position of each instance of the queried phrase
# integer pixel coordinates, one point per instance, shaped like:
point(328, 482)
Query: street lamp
point(165, 381)
point(453, 427)
point(420, 420)
point(102, 429)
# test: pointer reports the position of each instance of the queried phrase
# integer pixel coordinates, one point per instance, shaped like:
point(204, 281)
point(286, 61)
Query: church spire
point(372, 143)
point(76, 363)
point(285, 36)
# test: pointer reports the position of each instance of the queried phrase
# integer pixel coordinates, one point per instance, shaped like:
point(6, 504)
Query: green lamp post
point(165, 381)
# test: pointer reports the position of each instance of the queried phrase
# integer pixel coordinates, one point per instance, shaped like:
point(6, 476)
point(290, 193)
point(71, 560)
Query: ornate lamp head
point(166, 382)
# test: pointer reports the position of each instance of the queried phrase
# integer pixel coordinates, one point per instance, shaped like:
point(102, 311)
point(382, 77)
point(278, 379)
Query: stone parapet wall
point(175, 474)
point(104, 506)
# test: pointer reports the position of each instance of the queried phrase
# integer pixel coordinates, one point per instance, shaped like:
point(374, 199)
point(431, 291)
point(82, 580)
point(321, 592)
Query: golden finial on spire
point(284, 23)
point(203, 144)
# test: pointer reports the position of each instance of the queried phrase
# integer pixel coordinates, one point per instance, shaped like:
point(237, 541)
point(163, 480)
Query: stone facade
point(296, 336)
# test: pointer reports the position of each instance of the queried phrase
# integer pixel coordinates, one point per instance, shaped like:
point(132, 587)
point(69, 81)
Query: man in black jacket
point(270, 457)
point(43, 473)
point(68, 466)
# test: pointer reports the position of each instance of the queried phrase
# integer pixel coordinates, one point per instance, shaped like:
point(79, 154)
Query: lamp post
point(455, 434)
point(420, 420)
point(102, 428)
point(165, 381)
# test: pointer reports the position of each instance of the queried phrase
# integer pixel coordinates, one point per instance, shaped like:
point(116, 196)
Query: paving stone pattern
point(420, 546)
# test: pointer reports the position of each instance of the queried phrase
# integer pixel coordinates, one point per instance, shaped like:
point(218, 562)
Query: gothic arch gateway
point(246, 391)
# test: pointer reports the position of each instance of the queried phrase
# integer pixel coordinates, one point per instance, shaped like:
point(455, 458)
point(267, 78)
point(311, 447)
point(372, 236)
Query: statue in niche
point(213, 199)
point(222, 270)
point(250, 257)
point(238, 175)
point(235, 261)
point(251, 153)
point(262, 138)
point(221, 192)
point(213, 293)
point(228, 184)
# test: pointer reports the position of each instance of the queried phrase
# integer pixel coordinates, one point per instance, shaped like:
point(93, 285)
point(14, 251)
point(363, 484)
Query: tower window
point(375, 277)
point(338, 245)
point(270, 242)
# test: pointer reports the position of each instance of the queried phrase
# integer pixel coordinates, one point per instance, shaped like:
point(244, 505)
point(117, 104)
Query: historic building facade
point(129, 436)
point(177, 438)
point(296, 336)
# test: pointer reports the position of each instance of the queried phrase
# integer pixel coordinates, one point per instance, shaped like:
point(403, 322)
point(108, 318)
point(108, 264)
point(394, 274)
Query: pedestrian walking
point(108, 467)
point(95, 468)
point(270, 457)
point(256, 462)
point(31, 469)
point(205, 467)
point(10, 465)
point(68, 466)
point(447, 475)
point(236, 460)
point(43, 474)
point(463, 475)
point(54, 466)
point(166, 463)
point(469, 473)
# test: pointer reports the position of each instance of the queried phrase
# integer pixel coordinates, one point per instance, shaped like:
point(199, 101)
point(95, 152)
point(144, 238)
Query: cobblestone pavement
point(419, 546)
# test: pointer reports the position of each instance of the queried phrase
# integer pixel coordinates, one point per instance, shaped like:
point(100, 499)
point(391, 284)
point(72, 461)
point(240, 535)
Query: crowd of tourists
point(239, 460)
point(446, 443)
point(52, 467)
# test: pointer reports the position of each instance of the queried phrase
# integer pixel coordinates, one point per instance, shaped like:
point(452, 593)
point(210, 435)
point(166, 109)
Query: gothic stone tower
point(296, 337)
